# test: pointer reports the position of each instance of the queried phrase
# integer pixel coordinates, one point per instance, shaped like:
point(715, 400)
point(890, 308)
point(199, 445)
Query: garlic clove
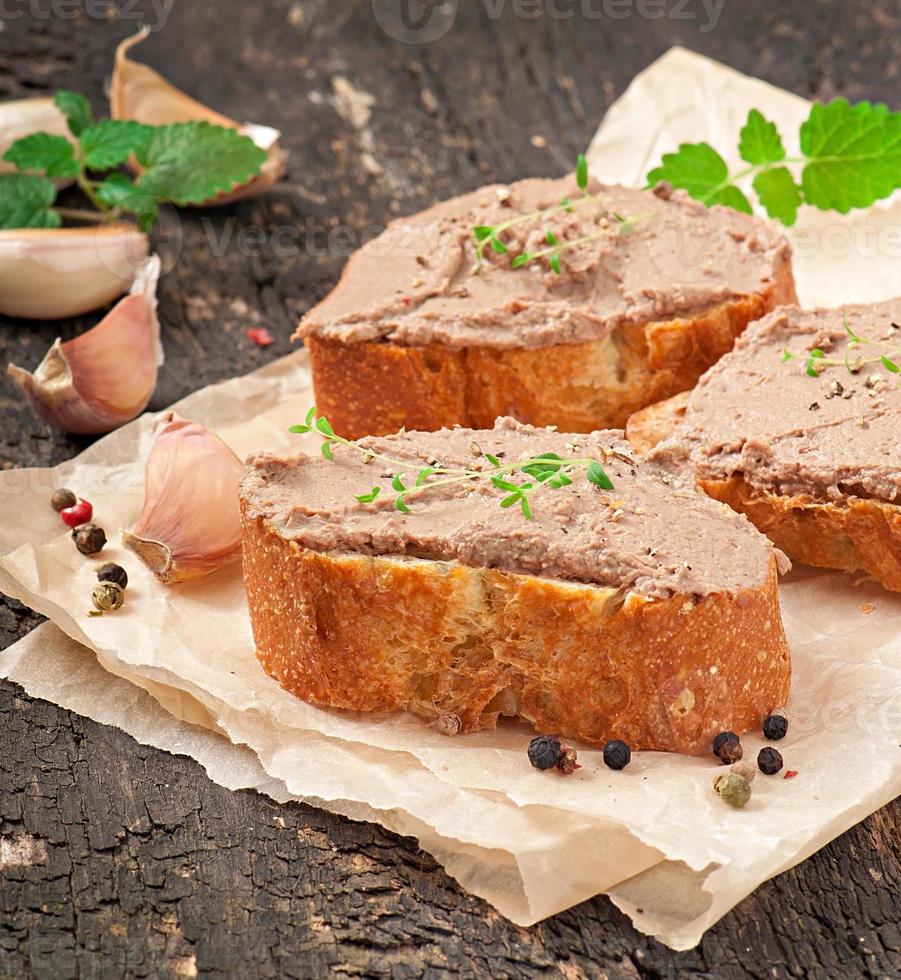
point(138, 92)
point(105, 377)
point(22, 117)
point(190, 524)
point(53, 273)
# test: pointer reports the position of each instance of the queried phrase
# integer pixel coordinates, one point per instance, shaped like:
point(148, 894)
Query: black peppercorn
point(111, 572)
point(89, 538)
point(62, 499)
point(775, 726)
point(769, 761)
point(617, 754)
point(545, 751)
point(727, 748)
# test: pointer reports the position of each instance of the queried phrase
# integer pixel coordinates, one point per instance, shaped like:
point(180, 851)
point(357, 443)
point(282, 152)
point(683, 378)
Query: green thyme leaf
point(26, 200)
point(760, 140)
point(511, 500)
point(597, 475)
point(311, 416)
point(497, 245)
point(327, 451)
point(582, 171)
point(853, 155)
point(787, 356)
point(76, 108)
point(367, 498)
point(554, 262)
point(550, 237)
point(492, 459)
point(889, 364)
point(398, 483)
point(51, 155)
point(298, 429)
point(401, 504)
point(112, 141)
point(503, 484)
point(566, 204)
point(423, 475)
point(520, 260)
point(812, 359)
point(779, 194)
point(192, 162)
point(324, 426)
point(482, 232)
point(524, 504)
point(700, 170)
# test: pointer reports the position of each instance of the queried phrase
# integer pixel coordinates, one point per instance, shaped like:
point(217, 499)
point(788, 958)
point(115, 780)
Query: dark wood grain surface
point(118, 860)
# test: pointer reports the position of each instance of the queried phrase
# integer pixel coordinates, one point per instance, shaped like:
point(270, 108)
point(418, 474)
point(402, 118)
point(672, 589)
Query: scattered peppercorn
point(449, 723)
point(746, 769)
point(769, 761)
point(617, 754)
point(89, 538)
point(775, 726)
point(727, 748)
point(545, 751)
point(79, 513)
point(111, 572)
point(567, 762)
point(62, 499)
point(108, 596)
point(733, 788)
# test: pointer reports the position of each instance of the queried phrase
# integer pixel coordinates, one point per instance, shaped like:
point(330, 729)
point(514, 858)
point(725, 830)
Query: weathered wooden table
point(120, 860)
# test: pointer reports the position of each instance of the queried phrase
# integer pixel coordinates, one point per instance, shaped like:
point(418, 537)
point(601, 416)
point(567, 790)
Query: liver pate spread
point(417, 283)
point(653, 534)
point(831, 436)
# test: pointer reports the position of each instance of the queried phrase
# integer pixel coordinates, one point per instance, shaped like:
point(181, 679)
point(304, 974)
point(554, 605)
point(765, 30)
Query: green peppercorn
point(111, 572)
point(62, 499)
point(108, 596)
point(733, 788)
point(89, 538)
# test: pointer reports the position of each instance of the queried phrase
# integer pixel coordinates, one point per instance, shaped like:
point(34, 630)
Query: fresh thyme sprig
point(816, 361)
point(547, 470)
point(489, 236)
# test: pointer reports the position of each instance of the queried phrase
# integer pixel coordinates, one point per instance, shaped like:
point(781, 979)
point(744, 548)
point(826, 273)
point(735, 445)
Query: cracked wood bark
point(120, 860)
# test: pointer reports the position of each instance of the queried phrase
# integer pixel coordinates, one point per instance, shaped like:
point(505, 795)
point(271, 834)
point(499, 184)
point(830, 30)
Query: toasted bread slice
point(648, 613)
point(813, 461)
point(419, 334)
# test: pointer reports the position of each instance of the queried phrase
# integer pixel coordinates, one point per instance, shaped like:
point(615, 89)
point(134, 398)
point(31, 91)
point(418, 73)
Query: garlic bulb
point(105, 377)
point(190, 524)
point(52, 273)
point(25, 116)
point(138, 92)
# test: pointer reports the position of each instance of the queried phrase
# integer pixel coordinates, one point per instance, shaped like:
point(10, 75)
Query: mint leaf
point(118, 191)
point(700, 170)
point(189, 163)
point(582, 171)
point(112, 141)
point(760, 140)
point(779, 194)
point(853, 155)
point(54, 155)
point(25, 201)
point(75, 108)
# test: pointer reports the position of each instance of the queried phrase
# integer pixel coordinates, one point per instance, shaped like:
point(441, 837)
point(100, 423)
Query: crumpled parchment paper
point(654, 837)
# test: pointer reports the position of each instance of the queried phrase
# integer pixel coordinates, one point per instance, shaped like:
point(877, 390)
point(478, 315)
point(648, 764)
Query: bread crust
point(433, 637)
point(377, 387)
point(853, 535)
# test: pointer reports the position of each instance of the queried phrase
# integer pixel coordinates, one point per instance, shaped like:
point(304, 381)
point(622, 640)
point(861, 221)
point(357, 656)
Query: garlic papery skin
point(190, 524)
point(98, 381)
point(54, 273)
point(140, 93)
point(22, 117)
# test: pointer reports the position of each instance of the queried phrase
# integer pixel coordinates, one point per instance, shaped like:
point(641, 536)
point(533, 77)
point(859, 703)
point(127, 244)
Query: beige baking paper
point(654, 837)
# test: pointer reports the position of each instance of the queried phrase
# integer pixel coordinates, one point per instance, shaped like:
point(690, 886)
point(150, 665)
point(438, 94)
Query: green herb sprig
point(850, 157)
point(816, 360)
point(182, 163)
point(545, 470)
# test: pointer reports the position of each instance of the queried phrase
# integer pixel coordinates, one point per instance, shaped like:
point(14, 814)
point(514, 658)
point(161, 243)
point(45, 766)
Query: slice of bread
point(419, 334)
point(813, 460)
point(648, 613)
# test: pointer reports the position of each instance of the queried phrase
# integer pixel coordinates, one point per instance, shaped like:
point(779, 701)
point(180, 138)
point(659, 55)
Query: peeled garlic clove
point(105, 377)
point(53, 273)
point(190, 524)
point(140, 93)
point(25, 116)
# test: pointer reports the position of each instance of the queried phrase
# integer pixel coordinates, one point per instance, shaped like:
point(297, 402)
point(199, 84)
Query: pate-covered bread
point(645, 611)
